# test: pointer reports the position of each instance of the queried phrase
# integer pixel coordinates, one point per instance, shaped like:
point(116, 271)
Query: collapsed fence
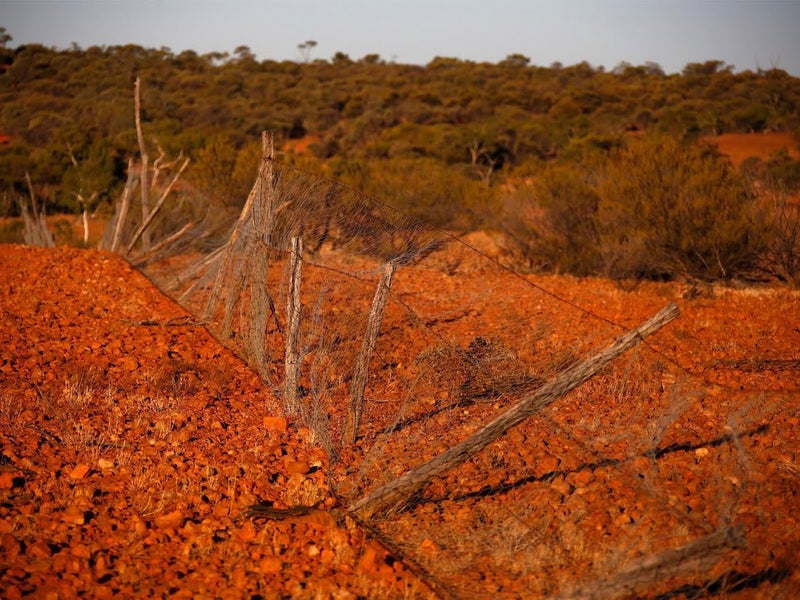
point(438, 382)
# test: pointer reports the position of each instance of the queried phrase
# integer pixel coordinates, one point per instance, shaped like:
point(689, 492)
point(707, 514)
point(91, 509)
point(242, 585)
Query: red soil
point(739, 146)
point(132, 443)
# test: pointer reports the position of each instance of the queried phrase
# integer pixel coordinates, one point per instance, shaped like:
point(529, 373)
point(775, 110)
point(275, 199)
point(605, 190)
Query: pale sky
point(747, 34)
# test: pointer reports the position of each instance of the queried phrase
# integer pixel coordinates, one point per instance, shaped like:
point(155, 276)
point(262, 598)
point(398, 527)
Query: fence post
point(361, 371)
point(293, 309)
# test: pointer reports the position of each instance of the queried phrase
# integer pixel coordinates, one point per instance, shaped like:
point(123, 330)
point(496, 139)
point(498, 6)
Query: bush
point(425, 189)
point(656, 209)
point(567, 235)
point(672, 209)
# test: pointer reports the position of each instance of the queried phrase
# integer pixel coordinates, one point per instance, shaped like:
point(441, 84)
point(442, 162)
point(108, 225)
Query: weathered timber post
point(365, 352)
point(251, 210)
point(293, 310)
point(122, 215)
point(256, 246)
point(143, 177)
point(397, 491)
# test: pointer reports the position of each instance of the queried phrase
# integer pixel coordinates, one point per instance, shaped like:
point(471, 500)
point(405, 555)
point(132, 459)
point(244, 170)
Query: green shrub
point(656, 208)
point(567, 236)
point(444, 196)
point(672, 209)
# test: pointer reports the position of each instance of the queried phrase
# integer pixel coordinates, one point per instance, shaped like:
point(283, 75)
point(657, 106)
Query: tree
point(243, 53)
point(372, 59)
point(515, 60)
point(212, 171)
point(88, 180)
point(340, 58)
point(305, 49)
point(707, 68)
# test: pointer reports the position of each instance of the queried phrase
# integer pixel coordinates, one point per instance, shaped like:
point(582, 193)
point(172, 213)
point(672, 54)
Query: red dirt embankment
point(131, 443)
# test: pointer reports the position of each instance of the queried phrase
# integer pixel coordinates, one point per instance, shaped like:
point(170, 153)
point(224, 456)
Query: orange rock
point(582, 478)
point(73, 515)
point(270, 564)
point(12, 592)
point(561, 486)
point(367, 560)
point(247, 531)
point(171, 520)
point(7, 479)
point(80, 471)
point(239, 578)
point(128, 363)
point(327, 556)
point(547, 464)
point(139, 526)
point(428, 545)
point(275, 424)
point(296, 467)
point(11, 547)
point(80, 550)
point(38, 549)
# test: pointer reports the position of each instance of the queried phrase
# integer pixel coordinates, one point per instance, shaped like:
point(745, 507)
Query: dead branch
point(399, 490)
point(156, 208)
point(144, 258)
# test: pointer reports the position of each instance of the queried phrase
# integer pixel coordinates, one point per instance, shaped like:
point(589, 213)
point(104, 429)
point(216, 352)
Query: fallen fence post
point(394, 493)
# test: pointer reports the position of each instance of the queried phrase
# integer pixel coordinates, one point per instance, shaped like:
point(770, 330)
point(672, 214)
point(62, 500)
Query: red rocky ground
point(132, 443)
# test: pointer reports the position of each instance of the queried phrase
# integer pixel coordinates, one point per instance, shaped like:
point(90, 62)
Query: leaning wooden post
point(293, 308)
point(251, 206)
point(397, 491)
point(143, 177)
point(365, 353)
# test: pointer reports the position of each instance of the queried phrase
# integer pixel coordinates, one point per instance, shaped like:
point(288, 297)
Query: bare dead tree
point(83, 201)
point(148, 178)
point(140, 232)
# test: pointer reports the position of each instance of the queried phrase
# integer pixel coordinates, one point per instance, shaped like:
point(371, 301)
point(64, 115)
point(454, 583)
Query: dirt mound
point(133, 442)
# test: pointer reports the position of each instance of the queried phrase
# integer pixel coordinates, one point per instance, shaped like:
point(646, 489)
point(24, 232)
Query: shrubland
point(586, 171)
point(655, 208)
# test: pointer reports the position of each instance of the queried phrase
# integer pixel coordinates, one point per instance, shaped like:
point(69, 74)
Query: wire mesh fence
point(395, 341)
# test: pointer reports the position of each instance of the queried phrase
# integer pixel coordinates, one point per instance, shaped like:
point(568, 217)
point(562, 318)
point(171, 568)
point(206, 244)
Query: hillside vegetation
point(583, 170)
